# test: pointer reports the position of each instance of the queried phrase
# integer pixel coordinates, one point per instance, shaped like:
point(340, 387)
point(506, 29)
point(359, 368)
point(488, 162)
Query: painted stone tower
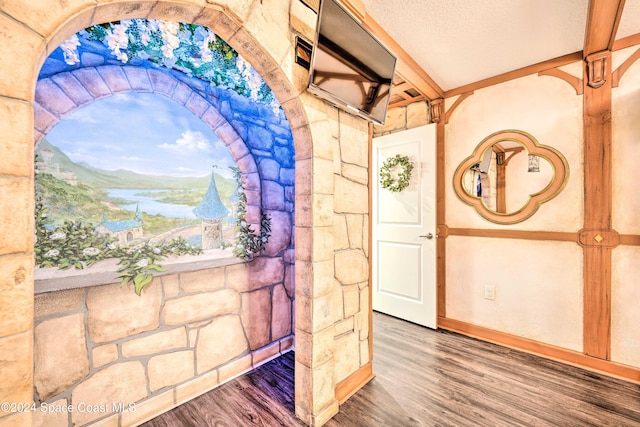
point(211, 212)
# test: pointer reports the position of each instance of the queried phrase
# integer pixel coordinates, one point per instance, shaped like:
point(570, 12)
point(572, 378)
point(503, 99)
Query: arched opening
point(264, 194)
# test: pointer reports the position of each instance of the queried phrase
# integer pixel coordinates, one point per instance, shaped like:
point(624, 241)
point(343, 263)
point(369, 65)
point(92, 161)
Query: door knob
point(427, 236)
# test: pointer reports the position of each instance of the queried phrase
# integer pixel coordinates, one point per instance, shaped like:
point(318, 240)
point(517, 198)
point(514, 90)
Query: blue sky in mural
point(141, 132)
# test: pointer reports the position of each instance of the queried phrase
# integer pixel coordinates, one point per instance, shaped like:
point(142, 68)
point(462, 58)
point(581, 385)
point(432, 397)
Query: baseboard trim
point(354, 382)
point(570, 357)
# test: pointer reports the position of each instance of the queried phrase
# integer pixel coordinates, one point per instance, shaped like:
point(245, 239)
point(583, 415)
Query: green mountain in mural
point(105, 179)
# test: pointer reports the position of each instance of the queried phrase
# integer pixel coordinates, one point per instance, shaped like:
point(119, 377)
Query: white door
point(404, 230)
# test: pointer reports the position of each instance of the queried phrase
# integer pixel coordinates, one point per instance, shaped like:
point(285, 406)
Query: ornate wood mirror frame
point(557, 183)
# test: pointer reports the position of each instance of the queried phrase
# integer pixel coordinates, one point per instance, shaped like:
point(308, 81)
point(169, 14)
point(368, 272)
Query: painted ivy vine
point(248, 243)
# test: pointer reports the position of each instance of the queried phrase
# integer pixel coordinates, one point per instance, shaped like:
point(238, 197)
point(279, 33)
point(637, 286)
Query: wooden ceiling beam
point(406, 67)
point(603, 19)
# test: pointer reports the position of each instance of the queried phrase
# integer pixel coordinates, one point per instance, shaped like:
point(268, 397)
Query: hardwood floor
point(428, 378)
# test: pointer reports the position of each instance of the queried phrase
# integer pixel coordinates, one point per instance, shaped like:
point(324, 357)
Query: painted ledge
point(104, 272)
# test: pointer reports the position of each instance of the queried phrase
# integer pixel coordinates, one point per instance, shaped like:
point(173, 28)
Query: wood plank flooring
point(428, 378)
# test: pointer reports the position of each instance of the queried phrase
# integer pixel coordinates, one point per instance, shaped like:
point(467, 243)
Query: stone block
point(181, 93)
point(365, 357)
point(312, 315)
point(344, 326)
point(162, 82)
point(323, 178)
point(92, 82)
point(17, 420)
point(269, 169)
point(43, 121)
point(170, 369)
point(286, 344)
point(193, 337)
point(156, 343)
point(396, 120)
point(225, 24)
point(272, 195)
point(304, 211)
point(290, 280)
point(148, 409)
point(314, 349)
point(114, 77)
point(196, 387)
point(417, 114)
point(351, 266)
point(235, 368)
point(248, 166)
point(138, 79)
point(170, 285)
point(197, 104)
point(16, 369)
point(106, 386)
point(280, 238)
point(45, 17)
point(324, 383)
point(202, 280)
point(238, 148)
point(202, 306)
point(16, 227)
point(72, 88)
point(355, 173)
point(60, 354)
point(340, 233)
point(303, 20)
point(356, 230)
point(104, 354)
point(351, 298)
point(323, 243)
point(19, 41)
point(263, 355)
point(322, 210)
point(354, 141)
point(219, 342)
point(319, 274)
point(115, 312)
point(42, 418)
point(174, 11)
point(338, 302)
point(58, 302)
point(16, 125)
point(16, 294)
point(303, 143)
point(256, 317)
point(350, 197)
point(347, 356)
point(257, 274)
point(280, 314)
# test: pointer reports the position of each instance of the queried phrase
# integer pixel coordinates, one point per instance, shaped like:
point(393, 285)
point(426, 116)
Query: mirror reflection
point(507, 176)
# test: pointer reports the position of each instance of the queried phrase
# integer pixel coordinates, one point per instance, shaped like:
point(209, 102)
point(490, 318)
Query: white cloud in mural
point(189, 141)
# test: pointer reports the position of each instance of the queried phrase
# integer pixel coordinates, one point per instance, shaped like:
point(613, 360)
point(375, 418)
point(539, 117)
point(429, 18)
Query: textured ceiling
point(458, 42)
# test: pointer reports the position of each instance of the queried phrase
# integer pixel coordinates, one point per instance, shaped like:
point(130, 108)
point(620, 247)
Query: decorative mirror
point(509, 175)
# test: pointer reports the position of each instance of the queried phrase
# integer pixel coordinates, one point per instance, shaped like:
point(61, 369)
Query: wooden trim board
point(354, 382)
point(548, 351)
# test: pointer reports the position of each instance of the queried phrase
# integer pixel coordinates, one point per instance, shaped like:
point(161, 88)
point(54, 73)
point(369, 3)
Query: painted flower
point(90, 252)
point(156, 251)
point(111, 246)
point(142, 263)
point(58, 236)
point(52, 253)
point(70, 50)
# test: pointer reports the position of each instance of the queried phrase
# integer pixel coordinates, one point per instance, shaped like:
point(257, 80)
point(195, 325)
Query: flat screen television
point(349, 67)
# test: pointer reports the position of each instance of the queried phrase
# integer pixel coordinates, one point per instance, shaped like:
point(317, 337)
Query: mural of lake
point(139, 198)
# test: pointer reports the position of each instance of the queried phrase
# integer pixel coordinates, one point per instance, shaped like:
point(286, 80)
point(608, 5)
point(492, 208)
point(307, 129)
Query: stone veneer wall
point(194, 330)
point(263, 32)
point(186, 334)
point(402, 118)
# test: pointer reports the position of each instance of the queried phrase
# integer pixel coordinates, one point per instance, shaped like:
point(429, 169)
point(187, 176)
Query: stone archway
point(30, 30)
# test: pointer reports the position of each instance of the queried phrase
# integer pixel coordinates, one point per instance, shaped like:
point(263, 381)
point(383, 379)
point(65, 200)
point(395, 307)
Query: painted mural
point(135, 175)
